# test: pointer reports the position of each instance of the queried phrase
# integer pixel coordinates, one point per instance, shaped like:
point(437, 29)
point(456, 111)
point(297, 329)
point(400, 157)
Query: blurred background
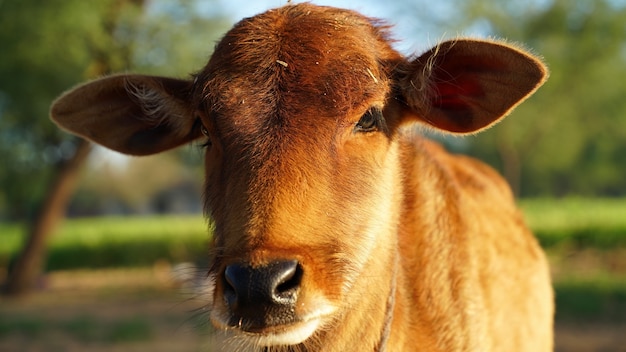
point(96, 247)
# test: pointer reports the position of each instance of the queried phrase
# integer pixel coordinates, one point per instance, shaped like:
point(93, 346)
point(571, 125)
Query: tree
point(52, 46)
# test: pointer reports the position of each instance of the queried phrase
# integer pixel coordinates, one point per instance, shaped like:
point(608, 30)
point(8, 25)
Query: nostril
point(287, 282)
point(234, 280)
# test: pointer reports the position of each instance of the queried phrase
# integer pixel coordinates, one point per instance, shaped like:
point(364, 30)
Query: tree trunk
point(29, 265)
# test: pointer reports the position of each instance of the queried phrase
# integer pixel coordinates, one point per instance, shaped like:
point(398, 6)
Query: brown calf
point(337, 227)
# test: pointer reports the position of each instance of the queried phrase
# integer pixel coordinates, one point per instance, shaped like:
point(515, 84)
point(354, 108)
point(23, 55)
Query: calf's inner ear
point(131, 114)
point(464, 86)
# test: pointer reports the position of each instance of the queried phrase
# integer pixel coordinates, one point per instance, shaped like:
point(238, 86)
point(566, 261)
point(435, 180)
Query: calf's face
point(300, 170)
point(301, 110)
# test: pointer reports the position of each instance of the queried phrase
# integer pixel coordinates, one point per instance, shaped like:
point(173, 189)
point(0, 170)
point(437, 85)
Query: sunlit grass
point(130, 229)
point(116, 241)
point(577, 222)
point(550, 213)
point(571, 223)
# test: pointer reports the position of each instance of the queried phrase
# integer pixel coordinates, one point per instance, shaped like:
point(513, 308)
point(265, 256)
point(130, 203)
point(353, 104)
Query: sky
point(404, 27)
point(243, 8)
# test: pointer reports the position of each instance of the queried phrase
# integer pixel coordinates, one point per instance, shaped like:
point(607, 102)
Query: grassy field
point(577, 222)
point(116, 241)
point(585, 241)
point(568, 225)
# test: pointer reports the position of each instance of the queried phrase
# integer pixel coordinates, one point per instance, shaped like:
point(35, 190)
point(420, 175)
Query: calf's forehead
point(297, 63)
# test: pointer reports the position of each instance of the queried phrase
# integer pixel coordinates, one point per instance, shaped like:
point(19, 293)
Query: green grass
point(138, 241)
point(83, 328)
point(134, 329)
point(116, 241)
point(599, 298)
point(577, 222)
point(28, 326)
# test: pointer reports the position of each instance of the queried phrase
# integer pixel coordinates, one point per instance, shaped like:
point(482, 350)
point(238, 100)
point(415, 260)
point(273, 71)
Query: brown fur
point(390, 230)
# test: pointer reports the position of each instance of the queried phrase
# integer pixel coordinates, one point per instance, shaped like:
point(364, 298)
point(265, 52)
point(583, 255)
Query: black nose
point(263, 295)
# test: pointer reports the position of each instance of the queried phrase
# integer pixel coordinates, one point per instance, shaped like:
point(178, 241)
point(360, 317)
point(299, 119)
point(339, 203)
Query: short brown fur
point(401, 246)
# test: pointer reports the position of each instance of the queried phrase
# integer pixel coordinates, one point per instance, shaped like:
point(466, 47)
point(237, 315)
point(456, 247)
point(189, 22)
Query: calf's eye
point(370, 121)
point(206, 133)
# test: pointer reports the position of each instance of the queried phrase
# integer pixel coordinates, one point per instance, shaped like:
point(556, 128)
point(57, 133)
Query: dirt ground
point(145, 310)
point(113, 310)
point(590, 338)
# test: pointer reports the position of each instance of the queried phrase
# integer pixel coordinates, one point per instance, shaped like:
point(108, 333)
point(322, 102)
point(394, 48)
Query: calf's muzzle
point(262, 296)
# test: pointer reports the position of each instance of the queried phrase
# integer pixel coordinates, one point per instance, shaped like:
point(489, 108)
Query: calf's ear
point(464, 86)
point(131, 114)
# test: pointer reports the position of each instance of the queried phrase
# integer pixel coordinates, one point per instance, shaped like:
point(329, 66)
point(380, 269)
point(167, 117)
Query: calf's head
point(301, 109)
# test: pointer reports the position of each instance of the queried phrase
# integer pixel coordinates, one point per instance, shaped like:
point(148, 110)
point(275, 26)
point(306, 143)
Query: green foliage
point(50, 46)
point(41, 57)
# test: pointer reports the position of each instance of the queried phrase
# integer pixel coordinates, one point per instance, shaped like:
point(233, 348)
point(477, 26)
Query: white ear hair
point(158, 108)
point(132, 114)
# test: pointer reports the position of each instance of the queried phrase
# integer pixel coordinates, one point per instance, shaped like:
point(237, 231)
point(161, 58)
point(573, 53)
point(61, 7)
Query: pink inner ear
point(459, 78)
point(473, 90)
point(453, 94)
